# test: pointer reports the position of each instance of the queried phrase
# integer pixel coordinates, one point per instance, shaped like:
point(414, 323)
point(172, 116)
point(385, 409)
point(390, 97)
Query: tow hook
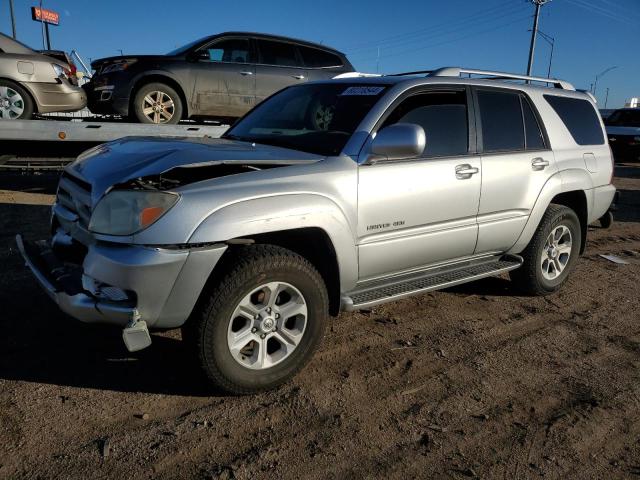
point(136, 334)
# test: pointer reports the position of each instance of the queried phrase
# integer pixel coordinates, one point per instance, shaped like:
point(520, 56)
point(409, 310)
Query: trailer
point(51, 144)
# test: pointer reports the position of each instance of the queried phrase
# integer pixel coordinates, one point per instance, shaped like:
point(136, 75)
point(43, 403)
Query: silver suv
point(328, 196)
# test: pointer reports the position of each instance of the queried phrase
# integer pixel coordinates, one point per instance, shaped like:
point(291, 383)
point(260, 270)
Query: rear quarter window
point(580, 118)
point(316, 58)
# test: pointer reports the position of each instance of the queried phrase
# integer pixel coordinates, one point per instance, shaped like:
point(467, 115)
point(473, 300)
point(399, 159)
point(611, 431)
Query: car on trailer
point(221, 76)
point(32, 82)
point(328, 196)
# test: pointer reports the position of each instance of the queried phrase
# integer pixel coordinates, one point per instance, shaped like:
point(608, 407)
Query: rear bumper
point(161, 285)
point(57, 97)
point(602, 199)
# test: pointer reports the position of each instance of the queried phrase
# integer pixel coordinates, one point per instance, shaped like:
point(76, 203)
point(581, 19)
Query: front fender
point(281, 213)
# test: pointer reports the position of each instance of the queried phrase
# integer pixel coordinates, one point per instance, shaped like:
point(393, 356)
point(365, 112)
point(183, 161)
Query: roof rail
point(457, 71)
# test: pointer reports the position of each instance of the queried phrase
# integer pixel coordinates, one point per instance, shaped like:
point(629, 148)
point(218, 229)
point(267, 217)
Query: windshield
point(187, 47)
point(316, 118)
point(624, 118)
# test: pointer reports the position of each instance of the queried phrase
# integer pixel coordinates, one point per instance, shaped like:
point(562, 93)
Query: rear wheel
point(551, 254)
point(157, 103)
point(15, 102)
point(262, 322)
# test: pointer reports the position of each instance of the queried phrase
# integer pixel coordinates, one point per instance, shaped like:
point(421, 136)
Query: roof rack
point(457, 71)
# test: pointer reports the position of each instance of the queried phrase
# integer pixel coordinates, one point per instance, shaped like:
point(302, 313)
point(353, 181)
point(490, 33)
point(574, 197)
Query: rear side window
point(502, 122)
point(277, 53)
point(442, 115)
point(534, 140)
point(579, 117)
point(315, 58)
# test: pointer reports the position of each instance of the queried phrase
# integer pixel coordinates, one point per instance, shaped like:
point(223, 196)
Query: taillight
point(613, 164)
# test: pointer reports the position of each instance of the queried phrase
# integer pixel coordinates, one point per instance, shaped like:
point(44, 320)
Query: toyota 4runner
point(328, 196)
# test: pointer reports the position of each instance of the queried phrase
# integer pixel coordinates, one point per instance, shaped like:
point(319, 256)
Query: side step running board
point(435, 279)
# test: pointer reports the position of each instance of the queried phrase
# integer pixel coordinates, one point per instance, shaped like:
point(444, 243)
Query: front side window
point(277, 53)
point(502, 123)
point(442, 115)
point(233, 50)
point(580, 118)
point(315, 118)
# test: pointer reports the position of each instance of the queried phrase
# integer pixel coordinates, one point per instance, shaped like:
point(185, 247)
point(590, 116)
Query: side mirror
point(199, 55)
point(397, 142)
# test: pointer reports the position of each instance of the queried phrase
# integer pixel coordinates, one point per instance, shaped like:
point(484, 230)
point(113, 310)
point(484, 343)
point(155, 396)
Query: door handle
point(465, 171)
point(539, 163)
point(298, 77)
point(246, 72)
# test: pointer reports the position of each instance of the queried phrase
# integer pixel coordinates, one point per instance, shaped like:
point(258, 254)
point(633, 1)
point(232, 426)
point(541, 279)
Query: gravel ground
point(468, 382)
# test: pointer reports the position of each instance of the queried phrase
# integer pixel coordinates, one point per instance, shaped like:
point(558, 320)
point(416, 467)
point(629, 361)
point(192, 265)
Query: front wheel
point(551, 253)
point(262, 321)
point(157, 103)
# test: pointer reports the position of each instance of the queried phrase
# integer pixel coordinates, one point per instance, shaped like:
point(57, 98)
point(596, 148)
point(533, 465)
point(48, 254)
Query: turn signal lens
point(150, 215)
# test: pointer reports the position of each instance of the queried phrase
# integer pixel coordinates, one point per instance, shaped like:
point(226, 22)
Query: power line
point(603, 12)
point(435, 30)
point(439, 35)
point(474, 34)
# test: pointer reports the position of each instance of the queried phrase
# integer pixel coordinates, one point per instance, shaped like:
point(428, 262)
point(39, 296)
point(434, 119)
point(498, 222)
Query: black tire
point(139, 104)
point(27, 101)
point(207, 329)
point(606, 220)
point(529, 278)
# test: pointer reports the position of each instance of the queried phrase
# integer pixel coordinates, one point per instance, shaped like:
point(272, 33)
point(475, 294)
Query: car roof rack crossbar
point(457, 71)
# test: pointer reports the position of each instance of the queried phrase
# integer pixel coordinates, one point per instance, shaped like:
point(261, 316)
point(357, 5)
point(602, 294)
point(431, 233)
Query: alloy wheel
point(158, 107)
point(267, 325)
point(556, 252)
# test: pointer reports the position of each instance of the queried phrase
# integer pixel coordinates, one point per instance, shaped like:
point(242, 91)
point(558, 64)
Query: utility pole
point(595, 85)
point(534, 32)
point(13, 19)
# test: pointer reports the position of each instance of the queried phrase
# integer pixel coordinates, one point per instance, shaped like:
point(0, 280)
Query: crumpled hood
point(135, 157)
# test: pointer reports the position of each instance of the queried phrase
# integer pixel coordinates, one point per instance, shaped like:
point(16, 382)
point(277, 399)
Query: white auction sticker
point(362, 91)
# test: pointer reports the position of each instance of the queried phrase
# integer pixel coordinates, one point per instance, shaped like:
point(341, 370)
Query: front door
point(516, 163)
point(418, 212)
point(279, 66)
point(225, 79)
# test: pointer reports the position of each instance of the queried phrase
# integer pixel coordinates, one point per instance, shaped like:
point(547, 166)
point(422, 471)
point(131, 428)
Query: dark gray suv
point(221, 76)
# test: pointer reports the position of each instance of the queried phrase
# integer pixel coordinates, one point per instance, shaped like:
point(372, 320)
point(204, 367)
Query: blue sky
point(590, 35)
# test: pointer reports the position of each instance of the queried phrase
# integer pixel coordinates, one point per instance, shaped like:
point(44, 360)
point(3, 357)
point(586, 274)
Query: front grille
point(74, 195)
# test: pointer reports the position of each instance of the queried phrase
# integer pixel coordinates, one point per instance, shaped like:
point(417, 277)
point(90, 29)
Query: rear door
point(516, 163)
point(279, 65)
point(225, 78)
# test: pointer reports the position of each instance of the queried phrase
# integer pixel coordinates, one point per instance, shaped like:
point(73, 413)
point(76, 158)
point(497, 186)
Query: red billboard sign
point(43, 15)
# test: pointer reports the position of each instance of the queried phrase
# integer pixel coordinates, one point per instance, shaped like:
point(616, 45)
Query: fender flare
point(564, 181)
point(280, 213)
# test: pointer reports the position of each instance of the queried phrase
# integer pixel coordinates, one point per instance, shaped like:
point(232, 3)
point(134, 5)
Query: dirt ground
point(472, 382)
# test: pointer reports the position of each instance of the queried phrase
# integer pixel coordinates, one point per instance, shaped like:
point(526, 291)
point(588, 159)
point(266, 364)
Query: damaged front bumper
point(124, 285)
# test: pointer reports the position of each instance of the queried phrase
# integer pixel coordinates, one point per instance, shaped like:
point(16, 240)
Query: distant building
point(633, 103)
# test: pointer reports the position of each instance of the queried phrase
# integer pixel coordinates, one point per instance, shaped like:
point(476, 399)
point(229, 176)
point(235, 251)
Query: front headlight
point(118, 66)
point(125, 212)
